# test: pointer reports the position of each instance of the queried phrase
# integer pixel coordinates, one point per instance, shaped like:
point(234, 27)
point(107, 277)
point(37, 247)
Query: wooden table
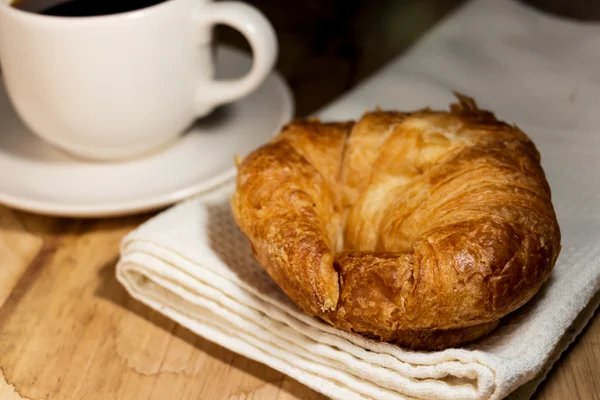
point(68, 330)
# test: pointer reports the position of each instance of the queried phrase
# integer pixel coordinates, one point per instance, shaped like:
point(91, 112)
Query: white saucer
point(36, 177)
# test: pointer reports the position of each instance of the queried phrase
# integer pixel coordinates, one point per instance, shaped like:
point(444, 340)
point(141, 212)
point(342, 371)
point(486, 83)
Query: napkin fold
point(192, 264)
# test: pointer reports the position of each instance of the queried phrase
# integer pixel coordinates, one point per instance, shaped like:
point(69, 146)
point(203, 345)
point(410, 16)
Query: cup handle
point(260, 34)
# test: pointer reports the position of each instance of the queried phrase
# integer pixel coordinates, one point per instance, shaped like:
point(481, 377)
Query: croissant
point(422, 228)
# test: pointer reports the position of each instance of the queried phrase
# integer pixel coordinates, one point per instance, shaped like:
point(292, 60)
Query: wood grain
point(18, 248)
point(68, 330)
point(7, 391)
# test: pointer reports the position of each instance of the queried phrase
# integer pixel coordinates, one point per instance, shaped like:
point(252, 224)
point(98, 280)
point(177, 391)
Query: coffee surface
point(83, 8)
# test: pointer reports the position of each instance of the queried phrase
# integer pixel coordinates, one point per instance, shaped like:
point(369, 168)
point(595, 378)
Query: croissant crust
point(421, 228)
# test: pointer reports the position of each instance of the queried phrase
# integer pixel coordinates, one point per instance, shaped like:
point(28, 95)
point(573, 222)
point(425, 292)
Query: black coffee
point(82, 8)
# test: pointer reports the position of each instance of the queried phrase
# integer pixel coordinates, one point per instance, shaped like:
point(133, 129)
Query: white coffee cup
point(118, 86)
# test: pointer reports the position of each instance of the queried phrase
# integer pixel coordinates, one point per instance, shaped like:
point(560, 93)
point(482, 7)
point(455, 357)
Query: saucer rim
point(149, 203)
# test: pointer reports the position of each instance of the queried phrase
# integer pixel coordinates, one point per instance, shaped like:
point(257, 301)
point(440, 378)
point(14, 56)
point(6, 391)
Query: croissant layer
point(421, 228)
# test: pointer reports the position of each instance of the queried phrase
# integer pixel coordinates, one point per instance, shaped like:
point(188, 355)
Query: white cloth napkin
point(192, 264)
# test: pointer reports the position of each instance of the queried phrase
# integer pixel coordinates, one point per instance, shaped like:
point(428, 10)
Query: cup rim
point(137, 13)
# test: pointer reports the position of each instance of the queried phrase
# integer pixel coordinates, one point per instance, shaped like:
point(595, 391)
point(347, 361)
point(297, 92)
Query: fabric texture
point(192, 264)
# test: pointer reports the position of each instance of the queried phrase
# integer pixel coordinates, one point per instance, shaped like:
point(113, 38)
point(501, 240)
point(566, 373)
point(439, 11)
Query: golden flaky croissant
point(420, 228)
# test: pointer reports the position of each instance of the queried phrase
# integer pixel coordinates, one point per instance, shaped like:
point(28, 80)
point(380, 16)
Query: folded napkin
point(193, 265)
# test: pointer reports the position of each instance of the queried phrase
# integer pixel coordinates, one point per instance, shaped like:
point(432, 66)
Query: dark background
point(327, 46)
